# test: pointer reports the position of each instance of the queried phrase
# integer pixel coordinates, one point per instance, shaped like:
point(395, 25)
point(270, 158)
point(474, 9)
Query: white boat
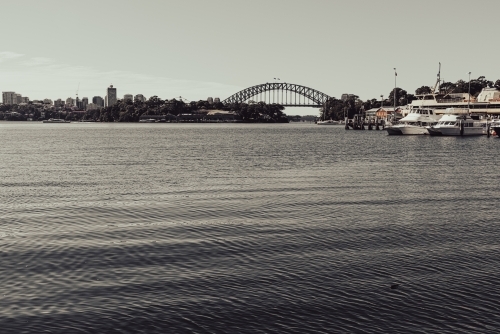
point(415, 123)
point(55, 120)
point(456, 124)
point(149, 120)
point(328, 122)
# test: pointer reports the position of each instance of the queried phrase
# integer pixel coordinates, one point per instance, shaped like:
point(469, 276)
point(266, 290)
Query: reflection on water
point(213, 228)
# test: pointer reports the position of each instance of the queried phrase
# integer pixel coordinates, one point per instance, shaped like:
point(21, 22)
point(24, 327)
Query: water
point(213, 228)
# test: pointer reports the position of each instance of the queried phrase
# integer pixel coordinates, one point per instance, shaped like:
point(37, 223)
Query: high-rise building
point(47, 101)
point(140, 98)
point(216, 100)
point(210, 100)
point(19, 98)
point(111, 96)
point(128, 97)
point(9, 98)
point(78, 103)
point(345, 97)
point(98, 101)
point(85, 102)
point(25, 99)
point(58, 103)
point(70, 102)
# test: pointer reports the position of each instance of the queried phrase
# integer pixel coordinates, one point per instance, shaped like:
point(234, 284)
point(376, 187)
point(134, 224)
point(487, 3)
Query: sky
point(201, 48)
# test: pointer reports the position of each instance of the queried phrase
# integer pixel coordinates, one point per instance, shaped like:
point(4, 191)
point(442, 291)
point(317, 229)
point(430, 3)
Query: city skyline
point(221, 47)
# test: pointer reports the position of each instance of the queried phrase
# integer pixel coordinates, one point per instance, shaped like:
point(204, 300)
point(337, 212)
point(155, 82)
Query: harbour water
point(246, 228)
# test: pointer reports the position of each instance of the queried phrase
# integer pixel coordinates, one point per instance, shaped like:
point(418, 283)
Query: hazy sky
point(201, 48)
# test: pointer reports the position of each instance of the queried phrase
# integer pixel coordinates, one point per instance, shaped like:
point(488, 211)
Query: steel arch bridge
point(286, 94)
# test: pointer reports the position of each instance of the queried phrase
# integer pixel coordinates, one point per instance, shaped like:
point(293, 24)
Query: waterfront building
point(111, 97)
point(25, 99)
point(85, 102)
point(99, 101)
point(19, 98)
point(210, 100)
point(128, 97)
point(139, 97)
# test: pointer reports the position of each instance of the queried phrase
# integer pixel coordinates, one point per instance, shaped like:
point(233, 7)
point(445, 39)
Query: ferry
point(486, 103)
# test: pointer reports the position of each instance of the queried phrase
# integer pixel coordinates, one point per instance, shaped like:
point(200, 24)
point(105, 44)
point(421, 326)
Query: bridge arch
point(286, 94)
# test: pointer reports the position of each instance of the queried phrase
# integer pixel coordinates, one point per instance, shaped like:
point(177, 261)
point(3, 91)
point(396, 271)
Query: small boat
point(149, 120)
point(496, 130)
point(55, 120)
point(328, 122)
point(494, 123)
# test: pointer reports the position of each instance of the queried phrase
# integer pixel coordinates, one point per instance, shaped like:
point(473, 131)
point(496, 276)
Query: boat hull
point(497, 130)
point(328, 123)
point(414, 130)
point(394, 131)
point(434, 131)
point(57, 122)
point(455, 131)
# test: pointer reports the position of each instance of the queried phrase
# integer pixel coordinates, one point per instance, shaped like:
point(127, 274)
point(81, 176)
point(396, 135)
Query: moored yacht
point(457, 123)
point(415, 123)
point(328, 122)
point(55, 120)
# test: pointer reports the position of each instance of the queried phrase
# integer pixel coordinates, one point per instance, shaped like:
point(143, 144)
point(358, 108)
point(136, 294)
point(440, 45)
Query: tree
point(423, 90)
point(401, 97)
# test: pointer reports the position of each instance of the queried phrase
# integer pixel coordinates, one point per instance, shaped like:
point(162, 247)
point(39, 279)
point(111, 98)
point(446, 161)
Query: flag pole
point(395, 85)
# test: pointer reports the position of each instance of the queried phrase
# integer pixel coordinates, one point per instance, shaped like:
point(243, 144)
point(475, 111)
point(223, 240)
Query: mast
point(438, 81)
point(394, 95)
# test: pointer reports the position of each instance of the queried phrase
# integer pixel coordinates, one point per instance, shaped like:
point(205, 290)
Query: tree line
point(337, 109)
point(131, 111)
